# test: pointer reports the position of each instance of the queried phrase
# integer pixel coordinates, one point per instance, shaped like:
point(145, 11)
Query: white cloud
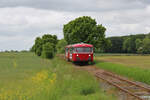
point(29, 20)
point(19, 26)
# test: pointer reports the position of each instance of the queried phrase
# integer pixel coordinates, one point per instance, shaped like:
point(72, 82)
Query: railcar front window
point(85, 49)
point(79, 50)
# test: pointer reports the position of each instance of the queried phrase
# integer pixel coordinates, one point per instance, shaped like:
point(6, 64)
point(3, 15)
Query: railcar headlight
point(89, 55)
point(77, 55)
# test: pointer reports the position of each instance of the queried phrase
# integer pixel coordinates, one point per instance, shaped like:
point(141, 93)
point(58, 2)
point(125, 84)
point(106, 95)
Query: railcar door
point(66, 53)
point(71, 51)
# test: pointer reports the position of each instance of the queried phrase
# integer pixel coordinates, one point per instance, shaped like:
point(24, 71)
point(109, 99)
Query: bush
point(39, 42)
point(38, 51)
point(146, 46)
point(61, 46)
point(48, 51)
point(89, 90)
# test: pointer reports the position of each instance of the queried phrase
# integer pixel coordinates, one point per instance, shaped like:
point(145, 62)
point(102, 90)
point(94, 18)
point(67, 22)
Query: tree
point(38, 46)
point(148, 35)
point(61, 46)
point(146, 45)
point(51, 39)
point(106, 45)
point(39, 42)
point(84, 29)
point(47, 50)
point(32, 49)
point(132, 45)
point(116, 45)
point(126, 44)
point(139, 44)
point(129, 44)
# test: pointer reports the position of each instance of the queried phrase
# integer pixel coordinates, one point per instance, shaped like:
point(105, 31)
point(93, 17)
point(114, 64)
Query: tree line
point(139, 43)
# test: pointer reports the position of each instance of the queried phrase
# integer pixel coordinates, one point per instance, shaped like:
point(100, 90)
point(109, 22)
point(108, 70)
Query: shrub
point(89, 90)
point(48, 51)
point(61, 46)
point(39, 42)
point(38, 51)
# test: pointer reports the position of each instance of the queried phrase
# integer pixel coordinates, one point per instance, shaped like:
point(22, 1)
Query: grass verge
point(135, 73)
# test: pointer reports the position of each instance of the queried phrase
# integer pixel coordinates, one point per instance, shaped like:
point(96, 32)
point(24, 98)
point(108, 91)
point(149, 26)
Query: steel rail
point(128, 81)
point(119, 87)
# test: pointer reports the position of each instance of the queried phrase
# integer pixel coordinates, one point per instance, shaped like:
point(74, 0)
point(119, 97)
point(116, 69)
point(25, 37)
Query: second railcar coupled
point(80, 52)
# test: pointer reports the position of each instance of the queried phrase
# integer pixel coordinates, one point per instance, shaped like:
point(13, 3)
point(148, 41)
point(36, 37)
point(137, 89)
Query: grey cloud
point(77, 5)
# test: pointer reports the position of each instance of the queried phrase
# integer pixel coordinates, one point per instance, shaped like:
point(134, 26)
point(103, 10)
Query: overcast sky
point(21, 21)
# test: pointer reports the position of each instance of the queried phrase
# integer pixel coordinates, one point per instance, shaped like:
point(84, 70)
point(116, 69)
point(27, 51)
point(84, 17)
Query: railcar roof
point(68, 46)
point(80, 45)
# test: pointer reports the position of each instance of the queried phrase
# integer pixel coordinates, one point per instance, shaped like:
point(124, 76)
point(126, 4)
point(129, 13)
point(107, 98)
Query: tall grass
point(24, 76)
point(119, 54)
point(135, 73)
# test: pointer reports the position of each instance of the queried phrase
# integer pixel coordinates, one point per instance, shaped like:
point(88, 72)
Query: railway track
point(136, 91)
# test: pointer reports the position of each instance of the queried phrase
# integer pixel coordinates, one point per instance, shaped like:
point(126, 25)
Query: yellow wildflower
point(15, 64)
point(40, 76)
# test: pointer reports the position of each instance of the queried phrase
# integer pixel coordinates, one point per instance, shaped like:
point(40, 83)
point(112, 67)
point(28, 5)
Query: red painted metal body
point(79, 52)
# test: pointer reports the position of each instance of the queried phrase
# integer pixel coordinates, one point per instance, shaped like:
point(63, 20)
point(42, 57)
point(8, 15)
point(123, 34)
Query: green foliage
point(123, 44)
point(139, 45)
point(88, 91)
point(42, 43)
point(61, 46)
point(47, 38)
point(126, 45)
point(117, 43)
point(148, 35)
point(85, 29)
point(48, 50)
point(32, 49)
point(129, 45)
point(105, 47)
point(38, 46)
point(143, 46)
point(146, 45)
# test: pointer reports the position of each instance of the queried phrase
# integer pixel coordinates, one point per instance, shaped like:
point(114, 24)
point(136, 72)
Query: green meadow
point(131, 66)
point(24, 76)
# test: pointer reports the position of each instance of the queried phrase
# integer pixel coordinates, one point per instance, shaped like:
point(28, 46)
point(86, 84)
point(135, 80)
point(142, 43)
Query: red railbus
point(80, 52)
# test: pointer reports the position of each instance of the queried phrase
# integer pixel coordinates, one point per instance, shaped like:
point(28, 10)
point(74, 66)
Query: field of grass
point(134, 67)
point(131, 60)
point(24, 76)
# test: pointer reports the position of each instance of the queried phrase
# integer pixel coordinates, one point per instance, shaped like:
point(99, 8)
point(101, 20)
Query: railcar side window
point(91, 49)
point(74, 50)
point(71, 50)
point(66, 50)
